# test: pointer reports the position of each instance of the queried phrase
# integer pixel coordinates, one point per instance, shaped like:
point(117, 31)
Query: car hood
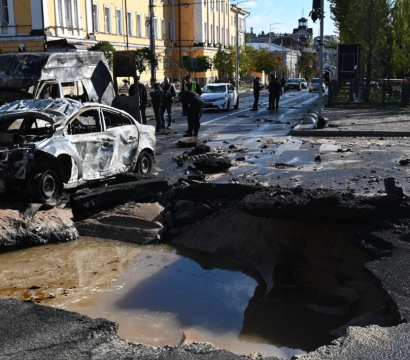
point(210, 96)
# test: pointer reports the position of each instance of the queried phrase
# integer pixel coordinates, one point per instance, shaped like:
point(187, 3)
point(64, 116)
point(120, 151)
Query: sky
point(267, 12)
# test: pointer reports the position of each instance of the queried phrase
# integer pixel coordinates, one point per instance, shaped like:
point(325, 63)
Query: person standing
point(143, 98)
point(271, 78)
point(256, 90)
point(168, 94)
point(155, 95)
point(283, 83)
point(194, 104)
point(191, 86)
point(275, 91)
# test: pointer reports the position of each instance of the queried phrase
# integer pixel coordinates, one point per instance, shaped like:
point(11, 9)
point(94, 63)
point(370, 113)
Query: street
point(271, 156)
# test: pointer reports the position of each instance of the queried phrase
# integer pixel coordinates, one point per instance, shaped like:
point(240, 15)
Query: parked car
point(293, 84)
point(314, 85)
point(220, 96)
point(51, 144)
point(303, 83)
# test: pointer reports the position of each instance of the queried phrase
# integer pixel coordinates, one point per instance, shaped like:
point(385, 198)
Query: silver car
point(314, 85)
point(51, 144)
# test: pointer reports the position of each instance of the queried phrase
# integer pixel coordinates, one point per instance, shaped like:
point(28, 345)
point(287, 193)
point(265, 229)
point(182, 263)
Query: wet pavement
point(270, 155)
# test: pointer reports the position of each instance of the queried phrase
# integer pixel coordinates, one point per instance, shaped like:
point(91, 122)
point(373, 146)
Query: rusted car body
point(50, 144)
point(82, 76)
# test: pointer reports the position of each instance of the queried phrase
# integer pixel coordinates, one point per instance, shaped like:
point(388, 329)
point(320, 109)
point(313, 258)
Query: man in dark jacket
point(168, 94)
point(257, 86)
point(191, 86)
point(271, 78)
point(143, 98)
point(194, 104)
point(155, 94)
point(275, 91)
point(283, 83)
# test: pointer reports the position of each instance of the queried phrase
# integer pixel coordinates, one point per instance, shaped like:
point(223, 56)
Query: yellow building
point(182, 28)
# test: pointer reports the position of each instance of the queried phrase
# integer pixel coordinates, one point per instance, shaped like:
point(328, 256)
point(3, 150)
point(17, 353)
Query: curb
point(341, 133)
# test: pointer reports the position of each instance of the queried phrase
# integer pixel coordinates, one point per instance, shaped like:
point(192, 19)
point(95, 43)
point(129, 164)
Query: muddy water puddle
point(162, 295)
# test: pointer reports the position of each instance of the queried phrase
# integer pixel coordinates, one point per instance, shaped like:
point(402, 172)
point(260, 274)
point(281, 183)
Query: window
point(75, 22)
point(68, 14)
point(217, 4)
point(139, 32)
point(107, 19)
point(211, 3)
point(129, 23)
point(155, 28)
point(112, 120)
point(164, 30)
point(217, 34)
point(226, 8)
point(147, 34)
point(85, 123)
point(4, 13)
point(205, 32)
point(211, 35)
point(170, 30)
point(227, 37)
point(204, 2)
point(222, 36)
point(95, 17)
point(118, 15)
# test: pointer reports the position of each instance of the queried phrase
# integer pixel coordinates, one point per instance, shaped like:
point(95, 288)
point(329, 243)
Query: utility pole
point(281, 59)
point(322, 7)
point(151, 34)
point(237, 47)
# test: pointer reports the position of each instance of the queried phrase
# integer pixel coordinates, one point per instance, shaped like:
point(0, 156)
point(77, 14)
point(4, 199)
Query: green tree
point(265, 61)
point(203, 64)
point(106, 48)
point(225, 61)
point(306, 65)
point(400, 41)
point(331, 44)
point(247, 60)
point(144, 58)
point(248, 38)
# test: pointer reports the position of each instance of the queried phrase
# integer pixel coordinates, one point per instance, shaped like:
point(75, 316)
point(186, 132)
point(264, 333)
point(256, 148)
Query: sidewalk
point(360, 122)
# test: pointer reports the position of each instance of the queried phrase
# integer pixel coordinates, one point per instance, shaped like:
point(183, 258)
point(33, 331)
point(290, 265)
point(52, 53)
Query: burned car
point(50, 144)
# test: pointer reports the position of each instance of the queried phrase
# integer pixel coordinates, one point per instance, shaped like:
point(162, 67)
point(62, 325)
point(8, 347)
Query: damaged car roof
point(55, 108)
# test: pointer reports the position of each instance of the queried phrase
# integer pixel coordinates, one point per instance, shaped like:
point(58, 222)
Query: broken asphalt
point(260, 160)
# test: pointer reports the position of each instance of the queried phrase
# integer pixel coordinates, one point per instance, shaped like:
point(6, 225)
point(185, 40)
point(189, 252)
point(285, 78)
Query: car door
point(231, 93)
point(93, 146)
point(122, 129)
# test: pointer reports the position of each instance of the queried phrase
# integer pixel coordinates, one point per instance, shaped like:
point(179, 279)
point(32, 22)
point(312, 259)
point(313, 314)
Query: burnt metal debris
point(54, 143)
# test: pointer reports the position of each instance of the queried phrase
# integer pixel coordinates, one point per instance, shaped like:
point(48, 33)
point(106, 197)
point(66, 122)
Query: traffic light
point(317, 11)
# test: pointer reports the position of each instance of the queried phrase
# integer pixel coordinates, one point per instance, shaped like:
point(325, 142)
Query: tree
point(306, 65)
point(247, 60)
point(144, 58)
point(106, 48)
point(202, 64)
point(400, 41)
point(265, 61)
point(331, 44)
point(225, 61)
point(248, 38)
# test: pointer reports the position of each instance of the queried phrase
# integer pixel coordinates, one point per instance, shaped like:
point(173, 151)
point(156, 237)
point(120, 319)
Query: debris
point(213, 165)
point(242, 158)
point(391, 188)
point(318, 159)
point(404, 162)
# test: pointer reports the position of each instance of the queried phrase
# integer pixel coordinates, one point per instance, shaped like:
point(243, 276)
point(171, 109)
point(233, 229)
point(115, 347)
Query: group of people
point(275, 92)
point(162, 97)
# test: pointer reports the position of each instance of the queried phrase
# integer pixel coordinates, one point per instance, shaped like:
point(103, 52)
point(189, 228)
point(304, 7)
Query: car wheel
point(229, 105)
point(43, 187)
point(236, 106)
point(310, 91)
point(145, 163)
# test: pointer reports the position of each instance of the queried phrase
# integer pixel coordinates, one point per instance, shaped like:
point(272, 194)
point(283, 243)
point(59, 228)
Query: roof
point(56, 109)
point(273, 47)
point(22, 70)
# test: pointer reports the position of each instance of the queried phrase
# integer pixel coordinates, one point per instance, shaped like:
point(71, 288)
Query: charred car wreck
point(50, 144)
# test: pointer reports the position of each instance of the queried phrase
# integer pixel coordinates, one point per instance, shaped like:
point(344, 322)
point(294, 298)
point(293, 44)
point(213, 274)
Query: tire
point(145, 163)
point(236, 106)
point(44, 186)
point(310, 91)
point(229, 105)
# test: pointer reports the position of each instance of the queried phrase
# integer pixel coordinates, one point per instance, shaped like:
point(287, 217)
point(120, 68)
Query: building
point(289, 57)
point(181, 28)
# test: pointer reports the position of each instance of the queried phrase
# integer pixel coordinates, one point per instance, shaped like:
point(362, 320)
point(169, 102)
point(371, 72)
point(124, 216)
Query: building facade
point(182, 28)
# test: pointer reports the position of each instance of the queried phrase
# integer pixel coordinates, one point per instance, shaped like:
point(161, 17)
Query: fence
point(384, 95)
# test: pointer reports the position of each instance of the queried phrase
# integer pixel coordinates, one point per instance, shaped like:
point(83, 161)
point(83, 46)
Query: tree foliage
point(225, 61)
point(202, 62)
point(265, 61)
point(106, 48)
point(400, 40)
point(306, 65)
point(366, 22)
point(144, 58)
